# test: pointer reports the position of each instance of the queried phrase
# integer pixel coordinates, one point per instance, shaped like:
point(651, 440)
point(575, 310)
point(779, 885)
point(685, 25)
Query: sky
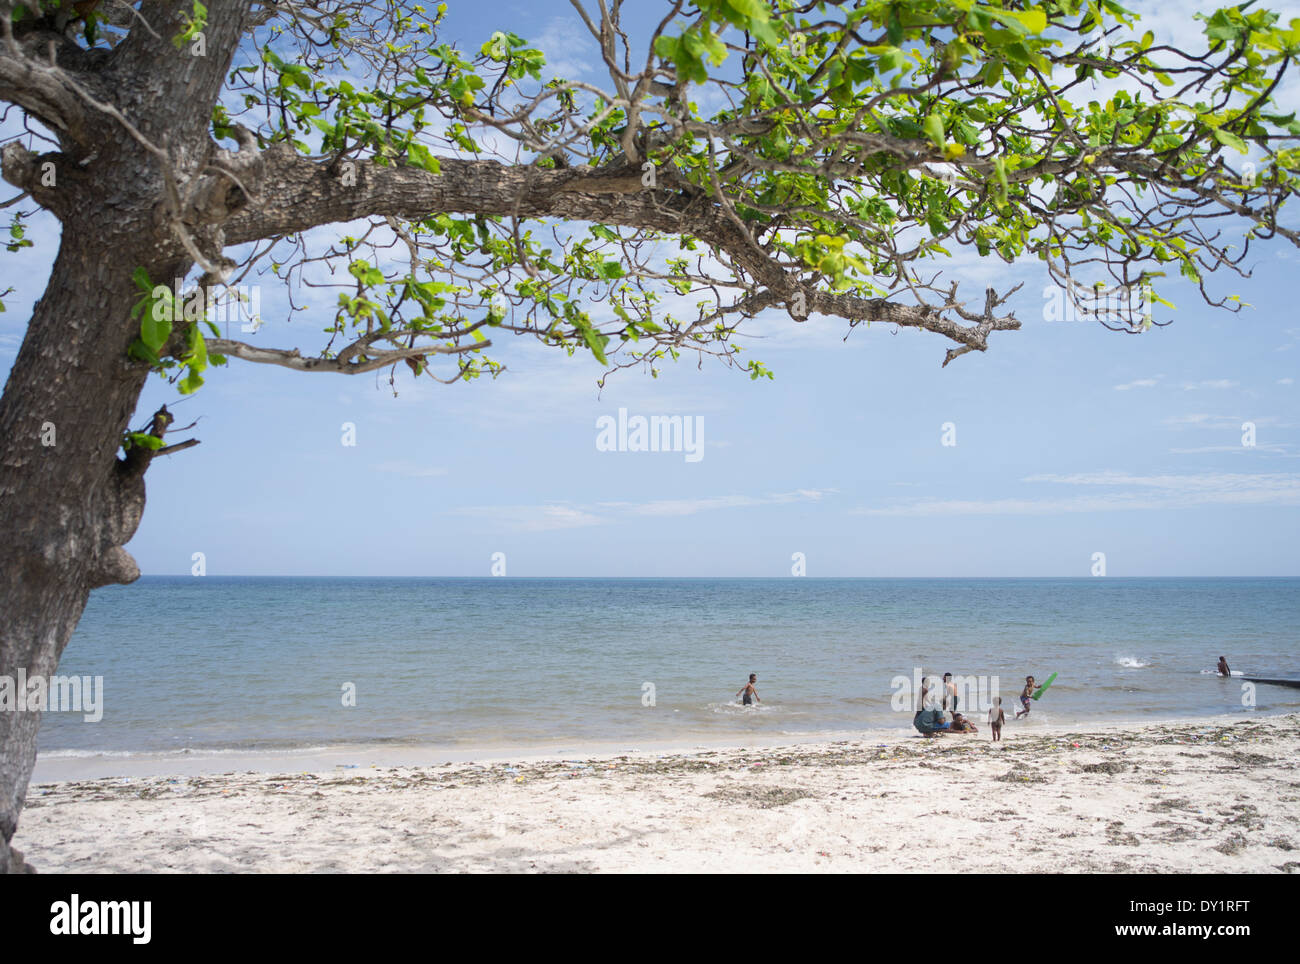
point(1071, 440)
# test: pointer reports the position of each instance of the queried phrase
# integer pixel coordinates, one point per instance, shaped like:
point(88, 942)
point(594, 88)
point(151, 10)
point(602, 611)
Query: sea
point(194, 664)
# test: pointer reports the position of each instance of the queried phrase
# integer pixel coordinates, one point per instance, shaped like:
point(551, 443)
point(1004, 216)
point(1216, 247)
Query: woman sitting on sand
point(930, 722)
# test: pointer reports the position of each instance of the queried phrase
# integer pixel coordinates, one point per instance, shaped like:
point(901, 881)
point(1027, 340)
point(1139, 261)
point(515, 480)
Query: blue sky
point(1071, 440)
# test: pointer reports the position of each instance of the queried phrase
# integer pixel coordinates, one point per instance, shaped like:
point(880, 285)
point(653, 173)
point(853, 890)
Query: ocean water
point(217, 663)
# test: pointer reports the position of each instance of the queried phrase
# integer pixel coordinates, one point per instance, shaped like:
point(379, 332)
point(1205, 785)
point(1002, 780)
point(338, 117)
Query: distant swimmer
point(749, 694)
point(1223, 666)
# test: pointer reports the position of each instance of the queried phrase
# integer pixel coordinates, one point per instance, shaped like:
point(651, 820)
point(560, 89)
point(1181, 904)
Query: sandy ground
point(1207, 796)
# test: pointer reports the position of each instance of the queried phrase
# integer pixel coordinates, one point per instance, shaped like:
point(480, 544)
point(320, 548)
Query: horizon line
point(237, 575)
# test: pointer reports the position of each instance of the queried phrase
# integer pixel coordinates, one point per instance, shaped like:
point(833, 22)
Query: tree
point(850, 147)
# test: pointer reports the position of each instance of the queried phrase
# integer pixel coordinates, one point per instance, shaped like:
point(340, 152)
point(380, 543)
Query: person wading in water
point(748, 692)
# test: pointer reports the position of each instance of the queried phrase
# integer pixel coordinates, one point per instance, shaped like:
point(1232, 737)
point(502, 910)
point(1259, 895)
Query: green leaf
point(596, 342)
point(765, 33)
point(1031, 21)
point(894, 28)
point(197, 357)
point(141, 440)
point(156, 325)
point(1000, 178)
point(933, 127)
point(1229, 139)
point(417, 155)
point(190, 383)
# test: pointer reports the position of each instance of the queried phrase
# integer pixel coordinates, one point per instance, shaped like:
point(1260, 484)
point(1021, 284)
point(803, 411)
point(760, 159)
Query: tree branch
point(293, 359)
point(30, 79)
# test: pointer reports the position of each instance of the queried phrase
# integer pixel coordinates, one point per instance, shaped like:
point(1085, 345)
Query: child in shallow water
point(1026, 697)
point(748, 692)
point(996, 718)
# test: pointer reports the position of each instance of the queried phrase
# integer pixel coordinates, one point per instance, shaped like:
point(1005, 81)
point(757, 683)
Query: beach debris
point(1117, 836)
point(1234, 844)
point(1021, 776)
point(763, 798)
point(1109, 766)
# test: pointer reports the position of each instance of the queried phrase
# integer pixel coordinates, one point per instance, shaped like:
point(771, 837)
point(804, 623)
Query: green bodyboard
point(1043, 689)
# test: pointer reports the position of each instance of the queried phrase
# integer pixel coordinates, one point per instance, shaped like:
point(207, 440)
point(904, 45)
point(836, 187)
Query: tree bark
point(68, 504)
point(65, 508)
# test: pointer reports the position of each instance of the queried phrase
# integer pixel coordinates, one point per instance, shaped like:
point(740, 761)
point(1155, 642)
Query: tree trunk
point(67, 503)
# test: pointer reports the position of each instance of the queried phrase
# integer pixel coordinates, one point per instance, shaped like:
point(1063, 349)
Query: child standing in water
point(1026, 695)
point(996, 718)
point(748, 692)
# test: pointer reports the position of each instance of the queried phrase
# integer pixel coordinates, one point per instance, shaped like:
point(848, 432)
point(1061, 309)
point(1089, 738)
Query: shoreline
point(91, 764)
point(1212, 794)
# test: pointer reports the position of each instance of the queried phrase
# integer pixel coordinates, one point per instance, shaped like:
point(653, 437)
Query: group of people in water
point(932, 720)
point(936, 715)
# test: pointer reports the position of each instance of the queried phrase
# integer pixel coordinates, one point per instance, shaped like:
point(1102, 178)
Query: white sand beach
point(1209, 795)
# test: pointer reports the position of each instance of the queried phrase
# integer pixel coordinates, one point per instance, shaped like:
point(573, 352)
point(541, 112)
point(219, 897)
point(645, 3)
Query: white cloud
point(1207, 482)
point(410, 470)
point(1135, 492)
point(1140, 383)
point(536, 518)
point(1200, 420)
point(681, 507)
point(1277, 448)
point(569, 47)
point(1224, 422)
